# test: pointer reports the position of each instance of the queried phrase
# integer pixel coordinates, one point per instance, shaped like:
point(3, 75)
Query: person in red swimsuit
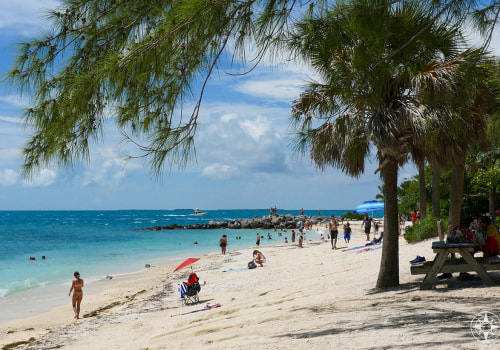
point(76, 287)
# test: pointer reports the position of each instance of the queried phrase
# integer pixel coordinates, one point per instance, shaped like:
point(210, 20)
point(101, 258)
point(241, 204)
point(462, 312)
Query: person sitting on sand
point(77, 286)
point(490, 231)
point(259, 258)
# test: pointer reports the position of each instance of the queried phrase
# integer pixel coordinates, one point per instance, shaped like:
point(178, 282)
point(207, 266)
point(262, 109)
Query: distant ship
point(198, 212)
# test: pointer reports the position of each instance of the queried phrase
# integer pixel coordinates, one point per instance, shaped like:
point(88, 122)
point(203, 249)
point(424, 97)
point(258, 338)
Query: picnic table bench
point(441, 263)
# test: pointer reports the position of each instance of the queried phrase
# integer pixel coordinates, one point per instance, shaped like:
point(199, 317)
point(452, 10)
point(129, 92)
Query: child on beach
point(347, 233)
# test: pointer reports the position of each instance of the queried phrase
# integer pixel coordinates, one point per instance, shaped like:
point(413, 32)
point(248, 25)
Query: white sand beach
point(310, 298)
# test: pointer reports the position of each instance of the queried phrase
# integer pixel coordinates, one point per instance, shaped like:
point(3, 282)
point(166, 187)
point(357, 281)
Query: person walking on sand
point(347, 233)
point(223, 244)
point(367, 223)
point(76, 287)
point(334, 232)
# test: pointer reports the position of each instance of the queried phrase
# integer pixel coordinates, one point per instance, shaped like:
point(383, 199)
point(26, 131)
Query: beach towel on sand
point(231, 270)
point(363, 246)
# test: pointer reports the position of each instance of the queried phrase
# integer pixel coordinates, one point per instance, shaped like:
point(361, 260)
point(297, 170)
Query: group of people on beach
point(334, 232)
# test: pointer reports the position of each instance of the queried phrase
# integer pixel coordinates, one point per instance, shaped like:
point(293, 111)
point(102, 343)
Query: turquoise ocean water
point(100, 243)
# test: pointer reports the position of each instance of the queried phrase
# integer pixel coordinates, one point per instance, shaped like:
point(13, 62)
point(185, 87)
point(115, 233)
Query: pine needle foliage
point(138, 64)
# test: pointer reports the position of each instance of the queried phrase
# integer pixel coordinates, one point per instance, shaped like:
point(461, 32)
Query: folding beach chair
point(193, 288)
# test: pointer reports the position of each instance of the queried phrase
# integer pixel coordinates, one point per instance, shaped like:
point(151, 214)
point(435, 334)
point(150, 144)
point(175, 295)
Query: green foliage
point(352, 216)
point(137, 64)
point(425, 229)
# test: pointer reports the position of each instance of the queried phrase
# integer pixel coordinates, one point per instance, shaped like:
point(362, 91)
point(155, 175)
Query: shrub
point(425, 229)
point(349, 215)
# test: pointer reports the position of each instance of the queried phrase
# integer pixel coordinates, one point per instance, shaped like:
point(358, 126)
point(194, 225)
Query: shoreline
point(39, 300)
point(313, 297)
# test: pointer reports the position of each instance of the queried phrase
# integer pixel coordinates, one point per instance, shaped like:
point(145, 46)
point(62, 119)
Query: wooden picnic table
point(441, 263)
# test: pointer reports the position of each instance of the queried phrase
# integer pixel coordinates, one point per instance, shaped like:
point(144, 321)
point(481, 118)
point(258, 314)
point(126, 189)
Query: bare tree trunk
point(388, 276)
point(436, 192)
point(457, 187)
point(423, 191)
point(491, 200)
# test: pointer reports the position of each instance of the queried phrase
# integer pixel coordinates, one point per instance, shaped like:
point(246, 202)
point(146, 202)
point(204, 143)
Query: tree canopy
point(140, 63)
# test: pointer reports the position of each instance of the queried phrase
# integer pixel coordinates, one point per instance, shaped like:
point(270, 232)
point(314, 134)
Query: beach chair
point(193, 288)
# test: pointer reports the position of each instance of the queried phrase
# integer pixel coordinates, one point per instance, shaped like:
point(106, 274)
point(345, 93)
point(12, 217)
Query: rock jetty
point(266, 222)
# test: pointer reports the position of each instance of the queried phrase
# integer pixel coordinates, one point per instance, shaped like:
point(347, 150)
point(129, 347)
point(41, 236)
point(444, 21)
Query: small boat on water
point(198, 212)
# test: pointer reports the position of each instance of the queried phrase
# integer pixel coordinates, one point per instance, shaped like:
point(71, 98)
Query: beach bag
point(252, 265)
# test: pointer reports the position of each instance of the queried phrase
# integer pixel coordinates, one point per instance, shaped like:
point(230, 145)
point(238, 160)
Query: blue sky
point(243, 153)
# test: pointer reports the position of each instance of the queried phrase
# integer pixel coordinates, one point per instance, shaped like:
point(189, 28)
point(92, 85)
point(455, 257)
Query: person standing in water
point(223, 244)
point(76, 287)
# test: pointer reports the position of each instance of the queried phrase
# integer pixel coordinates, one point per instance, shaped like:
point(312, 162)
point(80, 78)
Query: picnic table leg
point(469, 259)
point(430, 277)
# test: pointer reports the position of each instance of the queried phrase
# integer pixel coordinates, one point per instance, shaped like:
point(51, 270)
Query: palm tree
point(473, 102)
point(371, 95)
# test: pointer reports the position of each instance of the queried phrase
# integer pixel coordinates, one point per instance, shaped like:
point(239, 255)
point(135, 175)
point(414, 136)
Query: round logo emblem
point(485, 326)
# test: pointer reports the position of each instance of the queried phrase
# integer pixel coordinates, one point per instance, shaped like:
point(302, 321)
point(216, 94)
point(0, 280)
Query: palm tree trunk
point(491, 199)
point(457, 187)
point(436, 193)
point(388, 276)
point(423, 191)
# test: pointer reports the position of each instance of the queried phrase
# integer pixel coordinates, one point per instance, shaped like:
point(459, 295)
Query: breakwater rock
point(266, 222)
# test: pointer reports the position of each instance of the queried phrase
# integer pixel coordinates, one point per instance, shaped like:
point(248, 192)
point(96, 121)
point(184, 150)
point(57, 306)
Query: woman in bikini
point(77, 293)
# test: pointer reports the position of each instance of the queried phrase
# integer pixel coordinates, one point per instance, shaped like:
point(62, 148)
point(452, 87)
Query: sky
point(244, 158)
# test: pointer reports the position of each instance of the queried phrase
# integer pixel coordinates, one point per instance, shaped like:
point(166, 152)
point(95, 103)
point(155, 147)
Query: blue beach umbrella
point(369, 207)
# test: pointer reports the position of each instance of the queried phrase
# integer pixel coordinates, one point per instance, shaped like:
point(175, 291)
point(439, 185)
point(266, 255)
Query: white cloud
point(16, 100)
point(244, 145)
point(228, 117)
point(8, 177)
point(219, 171)
point(256, 128)
point(44, 178)
point(24, 17)
point(285, 90)
point(107, 168)
point(10, 119)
